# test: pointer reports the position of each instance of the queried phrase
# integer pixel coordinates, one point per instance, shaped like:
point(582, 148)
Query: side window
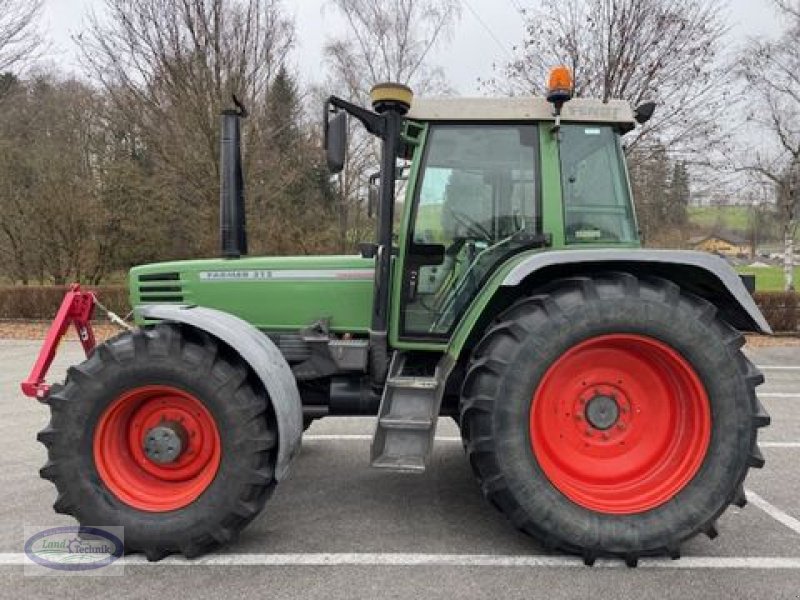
point(476, 202)
point(597, 205)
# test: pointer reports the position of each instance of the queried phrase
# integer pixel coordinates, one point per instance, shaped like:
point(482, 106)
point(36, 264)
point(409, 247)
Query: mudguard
point(700, 273)
point(263, 357)
point(713, 265)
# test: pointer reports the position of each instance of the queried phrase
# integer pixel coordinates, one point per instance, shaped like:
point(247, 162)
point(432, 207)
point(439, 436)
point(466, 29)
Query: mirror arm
point(374, 123)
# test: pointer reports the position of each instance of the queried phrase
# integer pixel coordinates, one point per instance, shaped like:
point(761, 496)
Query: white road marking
point(779, 444)
point(778, 395)
point(440, 560)
point(351, 437)
point(779, 367)
point(773, 511)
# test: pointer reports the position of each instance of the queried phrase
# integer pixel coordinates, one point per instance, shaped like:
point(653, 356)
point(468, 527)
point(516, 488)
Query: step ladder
point(407, 416)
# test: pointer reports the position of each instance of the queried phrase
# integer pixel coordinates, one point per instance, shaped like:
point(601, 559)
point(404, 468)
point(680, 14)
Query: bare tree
point(385, 40)
point(168, 69)
point(19, 39)
point(51, 220)
point(390, 41)
point(637, 50)
point(772, 71)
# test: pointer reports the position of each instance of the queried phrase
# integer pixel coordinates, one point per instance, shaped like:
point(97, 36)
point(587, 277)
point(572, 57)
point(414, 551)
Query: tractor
point(604, 402)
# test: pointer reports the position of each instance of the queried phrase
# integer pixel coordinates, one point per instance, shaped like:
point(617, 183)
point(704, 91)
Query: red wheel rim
point(620, 423)
point(128, 471)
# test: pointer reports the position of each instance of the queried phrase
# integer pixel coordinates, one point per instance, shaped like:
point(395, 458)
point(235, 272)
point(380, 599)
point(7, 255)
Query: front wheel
point(612, 416)
point(166, 433)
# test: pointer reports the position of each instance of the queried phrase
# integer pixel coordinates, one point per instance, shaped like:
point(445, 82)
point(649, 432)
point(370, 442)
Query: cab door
point(474, 202)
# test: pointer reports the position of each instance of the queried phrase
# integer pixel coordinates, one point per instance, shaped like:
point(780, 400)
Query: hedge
point(780, 309)
point(41, 302)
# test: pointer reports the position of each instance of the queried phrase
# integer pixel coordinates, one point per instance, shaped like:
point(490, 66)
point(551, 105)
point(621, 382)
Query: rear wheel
point(611, 416)
point(164, 432)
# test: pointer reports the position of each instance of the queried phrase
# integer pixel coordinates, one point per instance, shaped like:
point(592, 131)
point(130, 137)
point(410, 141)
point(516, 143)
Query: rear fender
point(261, 355)
point(699, 273)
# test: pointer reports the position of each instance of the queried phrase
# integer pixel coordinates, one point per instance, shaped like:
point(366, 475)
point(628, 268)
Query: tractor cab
point(489, 179)
point(494, 178)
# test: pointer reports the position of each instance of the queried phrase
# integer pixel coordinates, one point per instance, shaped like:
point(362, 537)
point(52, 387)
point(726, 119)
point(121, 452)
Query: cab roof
point(583, 110)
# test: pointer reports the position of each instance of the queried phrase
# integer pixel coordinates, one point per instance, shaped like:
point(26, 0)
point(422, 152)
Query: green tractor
point(602, 396)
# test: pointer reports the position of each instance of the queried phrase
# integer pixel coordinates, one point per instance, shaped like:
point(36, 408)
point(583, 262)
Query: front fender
point(261, 355)
point(699, 273)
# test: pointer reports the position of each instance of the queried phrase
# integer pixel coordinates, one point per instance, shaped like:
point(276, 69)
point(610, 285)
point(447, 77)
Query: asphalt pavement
point(338, 529)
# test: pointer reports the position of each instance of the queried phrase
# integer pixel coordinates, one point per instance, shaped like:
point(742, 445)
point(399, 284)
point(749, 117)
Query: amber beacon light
point(559, 86)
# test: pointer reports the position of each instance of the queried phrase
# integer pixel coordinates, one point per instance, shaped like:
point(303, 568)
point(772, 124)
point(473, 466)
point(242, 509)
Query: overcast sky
point(484, 36)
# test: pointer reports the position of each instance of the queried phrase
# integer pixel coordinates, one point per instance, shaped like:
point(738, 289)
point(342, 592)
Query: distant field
point(770, 279)
point(729, 217)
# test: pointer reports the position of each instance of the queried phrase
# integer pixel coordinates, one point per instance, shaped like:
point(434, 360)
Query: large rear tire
point(612, 416)
point(189, 492)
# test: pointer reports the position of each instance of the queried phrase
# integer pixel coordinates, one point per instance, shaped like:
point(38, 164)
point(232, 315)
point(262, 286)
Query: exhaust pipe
point(233, 235)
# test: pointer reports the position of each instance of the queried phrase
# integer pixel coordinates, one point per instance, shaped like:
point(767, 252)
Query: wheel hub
point(157, 448)
point(164, 443)
point(620, 423)
point(602, 412)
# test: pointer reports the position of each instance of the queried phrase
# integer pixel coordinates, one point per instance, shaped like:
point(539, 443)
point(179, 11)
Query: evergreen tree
point(289, 186)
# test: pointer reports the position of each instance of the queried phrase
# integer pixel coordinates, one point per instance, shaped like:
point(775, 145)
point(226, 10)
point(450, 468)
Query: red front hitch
point(76, 309)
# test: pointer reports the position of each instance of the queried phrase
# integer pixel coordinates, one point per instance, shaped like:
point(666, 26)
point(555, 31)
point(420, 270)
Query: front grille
point(161, 288)
point(160, 277)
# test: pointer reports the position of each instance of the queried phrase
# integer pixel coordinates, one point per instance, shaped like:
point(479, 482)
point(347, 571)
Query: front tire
point(612, 416)
point(189, 492)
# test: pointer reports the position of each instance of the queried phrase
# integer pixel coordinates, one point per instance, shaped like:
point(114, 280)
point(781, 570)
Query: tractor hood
point(271, 293)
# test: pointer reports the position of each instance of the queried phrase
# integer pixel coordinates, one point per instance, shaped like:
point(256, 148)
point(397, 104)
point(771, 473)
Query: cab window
point(597, 204)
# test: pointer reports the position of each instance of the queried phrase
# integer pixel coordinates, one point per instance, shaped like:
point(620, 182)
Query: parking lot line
point(778, 395)
point(779, 444)
point(355, 437)
point(361, 437)
point(773, 511)
point(778, 367)
point(389, 559)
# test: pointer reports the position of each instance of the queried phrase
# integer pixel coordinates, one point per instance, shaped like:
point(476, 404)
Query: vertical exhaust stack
point(233, 235)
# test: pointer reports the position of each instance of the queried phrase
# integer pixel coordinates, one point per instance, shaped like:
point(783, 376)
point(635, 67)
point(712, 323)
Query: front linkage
point(77, 308)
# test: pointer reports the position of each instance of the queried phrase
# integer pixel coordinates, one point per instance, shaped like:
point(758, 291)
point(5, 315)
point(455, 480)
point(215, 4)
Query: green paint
point(276, 303)
point(552, 210)
point(402, 240)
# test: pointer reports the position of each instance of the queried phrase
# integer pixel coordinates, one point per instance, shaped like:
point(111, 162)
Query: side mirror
point(644, 112)
point(335, 130)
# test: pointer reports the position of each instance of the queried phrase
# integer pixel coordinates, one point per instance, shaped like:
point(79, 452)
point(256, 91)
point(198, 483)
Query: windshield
point(597, 204)
point(476, 201)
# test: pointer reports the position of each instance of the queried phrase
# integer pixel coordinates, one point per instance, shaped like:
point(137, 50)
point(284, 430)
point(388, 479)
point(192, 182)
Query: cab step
point(400, 463)
point(407, 417)
point(394, 422)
